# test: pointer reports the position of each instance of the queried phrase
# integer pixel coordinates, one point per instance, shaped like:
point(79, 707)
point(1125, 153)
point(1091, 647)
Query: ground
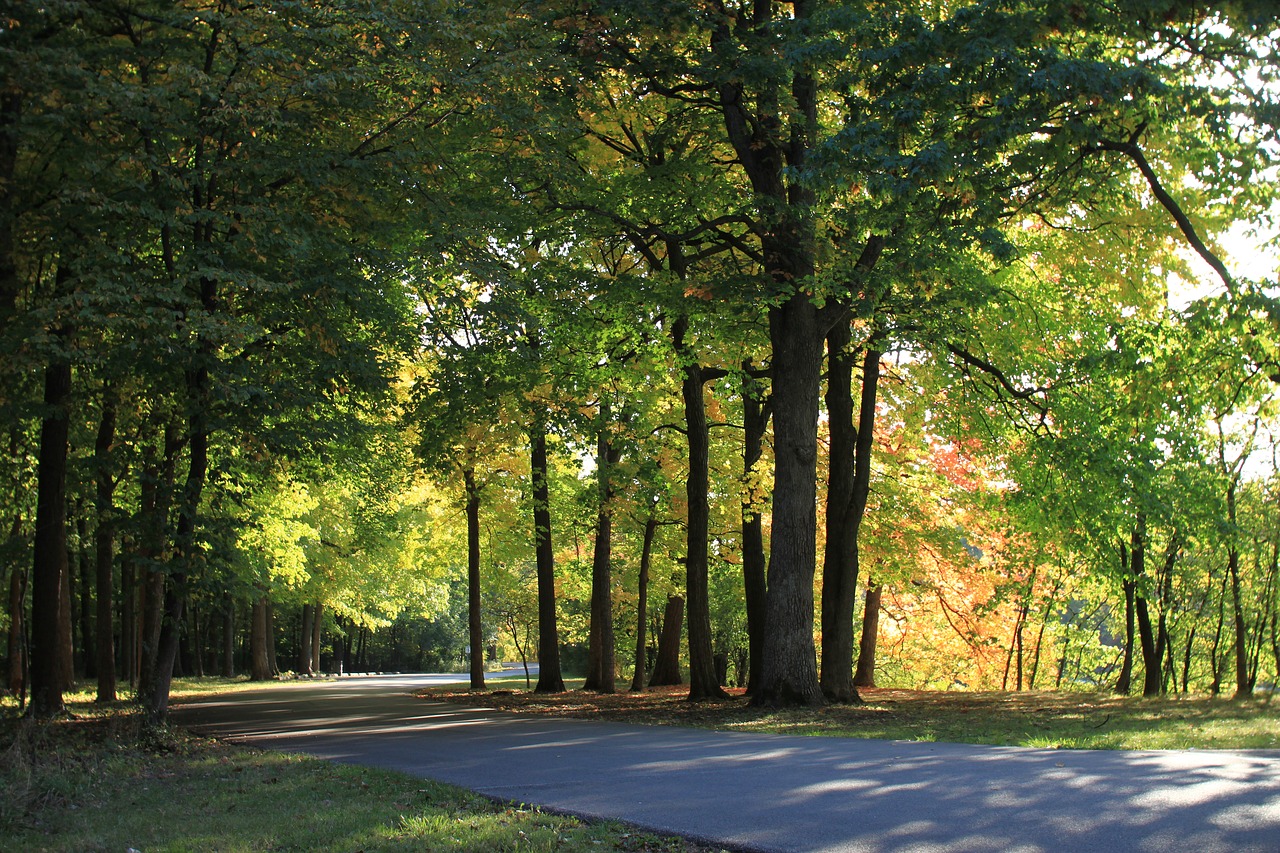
point(1037, 718)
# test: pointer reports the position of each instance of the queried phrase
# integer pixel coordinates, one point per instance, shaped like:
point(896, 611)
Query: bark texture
point(666, 669)
point(550, 679)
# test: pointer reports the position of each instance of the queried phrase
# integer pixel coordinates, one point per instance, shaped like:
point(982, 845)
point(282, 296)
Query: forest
point(795, 346)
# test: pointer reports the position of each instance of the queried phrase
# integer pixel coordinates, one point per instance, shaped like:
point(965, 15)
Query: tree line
point(322, 309)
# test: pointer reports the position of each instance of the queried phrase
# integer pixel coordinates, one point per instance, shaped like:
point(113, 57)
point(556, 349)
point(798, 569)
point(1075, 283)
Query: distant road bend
point(772, 792)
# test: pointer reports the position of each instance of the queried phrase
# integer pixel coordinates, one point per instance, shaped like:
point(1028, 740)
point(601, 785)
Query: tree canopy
point(326, 318)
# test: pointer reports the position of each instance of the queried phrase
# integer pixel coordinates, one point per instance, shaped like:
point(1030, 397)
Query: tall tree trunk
point(666, 669)
point(304, 641)
point(1152, 662)
point(66, 628)
point(191, 646)
point(1216, 657)
point(1244, 685)
point(317, 633)
point(16, 647)
point(850, 480)
point(104, 546)
point(155, 499)
point(771, 120)
point(17, 672)
point(1124, 684)
point(272, 663)
point(550, 679)
point(229, 637)
point(1044, 624)
point(152, 617)
point(49, 677)
point(88, 656)
point(475, 627)
point(865, 676)
point(840, 560)
point(703, 683)
point(601, 650)
point(789, 672)
point(756, 414)
point(1015, 650)
point(129, 640)
point(259, 663)
point(1275, 641)
point(1163, 650)
point(638, 675)
point(200, 360)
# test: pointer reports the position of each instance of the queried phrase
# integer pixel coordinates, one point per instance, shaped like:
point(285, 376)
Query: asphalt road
point(772, 792)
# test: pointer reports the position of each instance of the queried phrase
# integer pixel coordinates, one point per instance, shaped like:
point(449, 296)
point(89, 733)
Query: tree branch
point(1130, 149)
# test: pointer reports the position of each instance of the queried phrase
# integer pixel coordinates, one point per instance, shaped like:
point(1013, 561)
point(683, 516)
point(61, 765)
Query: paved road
point(777, 793)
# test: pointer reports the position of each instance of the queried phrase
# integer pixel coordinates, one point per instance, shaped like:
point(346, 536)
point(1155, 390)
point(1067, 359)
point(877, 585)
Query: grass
point(1062, 720)
point(94, 782)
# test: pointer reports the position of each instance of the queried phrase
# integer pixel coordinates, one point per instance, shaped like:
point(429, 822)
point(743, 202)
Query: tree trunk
point(840, 556)
point(550, 679)
point(866, 673)
point(152, 617)
point(259, 664)
point(703, 683)
point(789, 667)
point(666, 669)
point(155, 497)
point(317, 634)
point(475, 627)
point(1152, 661)
point(1124, 684)
point(129, 639)
point(66, 628)
point(304, 641)
point(850, 480)
point(1044, 624)
point(1216, 658)
point(1015, 650)
point(772, 141)
point(49, 564)
point(642, 605)
point(17, 681)
point(85, 578)
point(16, 647)
point(1163, 652)
point(229, 638)
point(193, 642)
point(272, 664)
point(1275, 643)
point(104, 547)
point(1244, 685)
point(756, 414)
point(601, 648)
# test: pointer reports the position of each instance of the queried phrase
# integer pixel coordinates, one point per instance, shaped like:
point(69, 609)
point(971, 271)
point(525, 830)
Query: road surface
point(772, 792)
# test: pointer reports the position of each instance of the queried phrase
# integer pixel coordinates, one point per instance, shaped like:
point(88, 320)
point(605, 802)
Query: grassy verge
point(93, 782)
point(1039, 719)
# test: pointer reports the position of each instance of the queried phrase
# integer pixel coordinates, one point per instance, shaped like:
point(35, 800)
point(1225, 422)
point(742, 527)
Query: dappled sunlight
point(756, 790)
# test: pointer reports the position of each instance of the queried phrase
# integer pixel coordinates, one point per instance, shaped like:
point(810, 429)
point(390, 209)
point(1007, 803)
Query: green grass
point(1061, 720)
point(1054, 720)
point(94, 782)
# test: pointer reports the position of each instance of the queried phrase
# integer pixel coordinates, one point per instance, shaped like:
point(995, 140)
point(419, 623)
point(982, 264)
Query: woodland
point(796, 346)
